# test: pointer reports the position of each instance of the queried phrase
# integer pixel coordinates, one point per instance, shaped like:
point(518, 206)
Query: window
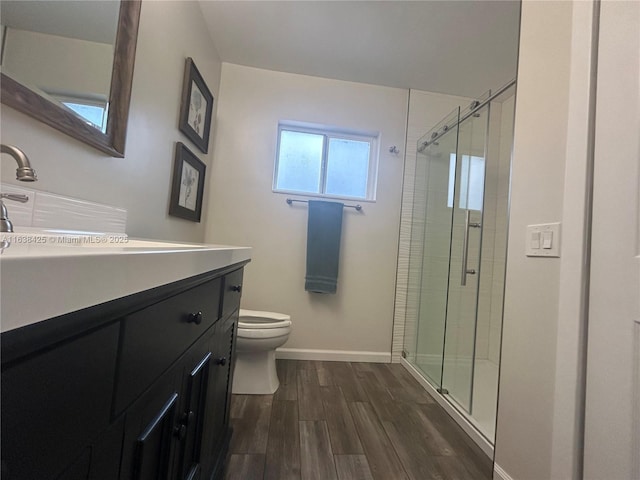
point(93, 109)
point(471, 182)
point(325, 162)
point(95, 115)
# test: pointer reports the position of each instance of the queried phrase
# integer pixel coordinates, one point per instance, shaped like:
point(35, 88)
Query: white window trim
point(331, 132)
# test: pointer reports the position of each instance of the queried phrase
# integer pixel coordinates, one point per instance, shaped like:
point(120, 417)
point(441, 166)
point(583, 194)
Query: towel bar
point(291, 200)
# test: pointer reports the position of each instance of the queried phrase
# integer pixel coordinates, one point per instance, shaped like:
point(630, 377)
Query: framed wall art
point(196, 107)
point(188, 185)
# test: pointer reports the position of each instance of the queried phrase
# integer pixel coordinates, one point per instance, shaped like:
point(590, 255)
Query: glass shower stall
point(457, 255)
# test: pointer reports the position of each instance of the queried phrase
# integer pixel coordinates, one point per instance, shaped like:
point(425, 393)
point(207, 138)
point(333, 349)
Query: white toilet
point(259, 334)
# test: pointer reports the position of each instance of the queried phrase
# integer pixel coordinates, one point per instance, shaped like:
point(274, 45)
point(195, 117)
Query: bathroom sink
point(141, 243)
point(48, 273)
point(124, 243)
point(48, 238)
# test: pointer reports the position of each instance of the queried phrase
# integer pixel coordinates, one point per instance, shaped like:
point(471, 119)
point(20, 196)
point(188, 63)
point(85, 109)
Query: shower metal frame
point(474, 107)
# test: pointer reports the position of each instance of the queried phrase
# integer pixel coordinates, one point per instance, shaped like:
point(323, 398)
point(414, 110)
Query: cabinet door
point(152, 459)
point(225, 361)
point(192, 418)
point(105, 453)
point(151, 431)
point(54, 403)
point(216, 433)
point(80, 468)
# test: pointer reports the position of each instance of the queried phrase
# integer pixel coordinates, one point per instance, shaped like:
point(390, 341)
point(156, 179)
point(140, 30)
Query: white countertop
point(50, 274)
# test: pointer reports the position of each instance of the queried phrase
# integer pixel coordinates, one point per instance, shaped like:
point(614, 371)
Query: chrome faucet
point(24, 173)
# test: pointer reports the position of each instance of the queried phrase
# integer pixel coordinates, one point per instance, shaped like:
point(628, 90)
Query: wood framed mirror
point(43, 108)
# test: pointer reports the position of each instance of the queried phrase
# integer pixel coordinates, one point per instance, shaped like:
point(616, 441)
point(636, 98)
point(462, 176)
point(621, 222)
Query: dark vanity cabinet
point(135, 389)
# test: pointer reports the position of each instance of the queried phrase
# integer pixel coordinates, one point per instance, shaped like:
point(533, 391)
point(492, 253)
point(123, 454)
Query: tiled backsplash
point(48, 210)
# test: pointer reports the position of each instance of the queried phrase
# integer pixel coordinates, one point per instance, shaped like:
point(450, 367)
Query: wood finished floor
point(348, 421)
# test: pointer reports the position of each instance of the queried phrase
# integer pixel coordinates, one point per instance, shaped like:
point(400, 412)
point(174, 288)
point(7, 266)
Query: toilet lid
point(253, 319)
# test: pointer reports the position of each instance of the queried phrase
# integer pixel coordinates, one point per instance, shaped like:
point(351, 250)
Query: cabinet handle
point(195, 318)
point(180, 431)
point(236, 288)
point(222, 361)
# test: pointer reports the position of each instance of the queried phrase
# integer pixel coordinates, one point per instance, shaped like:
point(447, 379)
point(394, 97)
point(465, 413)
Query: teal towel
point(324, 228)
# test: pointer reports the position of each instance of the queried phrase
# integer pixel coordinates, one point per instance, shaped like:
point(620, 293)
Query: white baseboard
point(333, 355)
point(499, 473)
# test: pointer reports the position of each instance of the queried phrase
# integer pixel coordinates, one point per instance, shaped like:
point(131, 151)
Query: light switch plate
point(536, 236)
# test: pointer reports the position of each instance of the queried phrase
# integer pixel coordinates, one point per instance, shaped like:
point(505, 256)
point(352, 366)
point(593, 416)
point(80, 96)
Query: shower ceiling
point(454, 47)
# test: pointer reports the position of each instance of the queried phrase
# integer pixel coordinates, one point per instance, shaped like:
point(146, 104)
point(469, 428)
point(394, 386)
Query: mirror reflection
point(62, 50)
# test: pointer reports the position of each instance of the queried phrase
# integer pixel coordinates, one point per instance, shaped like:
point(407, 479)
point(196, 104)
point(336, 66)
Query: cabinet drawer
point(155, 337)
point(232, 292)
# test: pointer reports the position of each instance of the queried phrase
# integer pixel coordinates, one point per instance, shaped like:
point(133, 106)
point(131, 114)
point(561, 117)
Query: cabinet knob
point(180, 431)
point(187, 418)
point(222, 361)
point(236, 288)
point(195, 318)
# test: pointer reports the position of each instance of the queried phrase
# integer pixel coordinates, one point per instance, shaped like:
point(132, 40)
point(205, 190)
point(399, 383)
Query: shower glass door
point(457, 257)
point(466, 201)
point(432, 222)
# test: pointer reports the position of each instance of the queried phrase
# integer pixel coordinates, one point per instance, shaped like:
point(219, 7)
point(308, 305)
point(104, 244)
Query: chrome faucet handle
point(5, 223)
point(15, 197)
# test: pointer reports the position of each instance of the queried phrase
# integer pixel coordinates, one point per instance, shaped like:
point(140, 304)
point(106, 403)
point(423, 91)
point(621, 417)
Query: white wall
point(58, 64)
point(243, 209)
point(140, 182)
point(612, 403)
point(567, 412)
point(528, 365)
point(541, 408)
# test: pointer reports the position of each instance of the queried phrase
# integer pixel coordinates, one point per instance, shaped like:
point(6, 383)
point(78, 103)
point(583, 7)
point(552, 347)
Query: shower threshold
point(466, 422)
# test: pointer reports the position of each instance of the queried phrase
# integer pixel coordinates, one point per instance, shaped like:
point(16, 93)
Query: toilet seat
point(264, 333)
point(259, 320)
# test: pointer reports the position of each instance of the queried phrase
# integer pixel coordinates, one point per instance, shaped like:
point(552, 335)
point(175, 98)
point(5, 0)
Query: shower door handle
point(465, 247)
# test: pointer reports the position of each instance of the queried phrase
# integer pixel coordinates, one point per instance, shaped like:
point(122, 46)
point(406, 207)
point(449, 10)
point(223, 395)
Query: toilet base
point(255, 373)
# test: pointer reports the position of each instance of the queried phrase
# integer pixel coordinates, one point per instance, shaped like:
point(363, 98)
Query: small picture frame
point(196, 107)
point(188, 185)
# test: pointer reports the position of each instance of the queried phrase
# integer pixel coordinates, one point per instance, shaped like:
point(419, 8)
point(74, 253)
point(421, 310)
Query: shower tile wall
point(461, 311)
point(485, 385)
point(502, 217)
point(419, 198)
point(494, 232)
point(425, 111)
point(489, 224)
point(433, 254)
